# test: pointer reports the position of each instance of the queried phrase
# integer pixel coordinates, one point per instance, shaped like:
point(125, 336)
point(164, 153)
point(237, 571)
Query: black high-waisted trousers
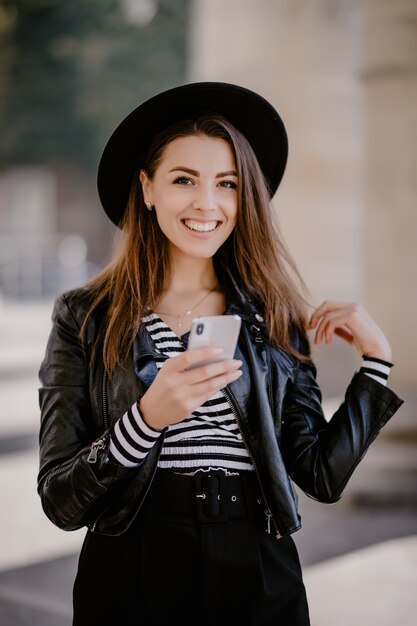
point(197, 554)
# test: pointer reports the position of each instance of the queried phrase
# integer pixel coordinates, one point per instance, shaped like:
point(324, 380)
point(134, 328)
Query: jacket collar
point(239, 302)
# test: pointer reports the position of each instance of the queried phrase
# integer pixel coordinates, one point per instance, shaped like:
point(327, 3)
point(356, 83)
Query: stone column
point(390, 256)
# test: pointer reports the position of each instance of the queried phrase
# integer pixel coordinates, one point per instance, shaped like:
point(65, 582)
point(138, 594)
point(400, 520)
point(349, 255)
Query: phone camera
point(200, 329)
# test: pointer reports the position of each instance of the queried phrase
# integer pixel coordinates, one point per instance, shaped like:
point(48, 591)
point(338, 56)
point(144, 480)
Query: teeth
point(200, 226)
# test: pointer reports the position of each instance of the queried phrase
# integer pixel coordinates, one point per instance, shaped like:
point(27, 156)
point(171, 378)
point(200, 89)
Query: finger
point(318, 325)
point(321, 325)
point(326, 307)
point(319, 312)
point(344, 333)
point(200, 373)
point(209, 387)
point(352, 316)
point(190, 358)
point(328, 323)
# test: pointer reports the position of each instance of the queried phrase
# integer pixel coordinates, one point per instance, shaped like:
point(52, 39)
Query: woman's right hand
point(178, 390)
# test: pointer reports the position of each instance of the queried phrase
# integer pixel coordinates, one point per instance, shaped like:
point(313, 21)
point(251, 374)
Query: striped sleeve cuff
point(131, 439)
point(376, 368)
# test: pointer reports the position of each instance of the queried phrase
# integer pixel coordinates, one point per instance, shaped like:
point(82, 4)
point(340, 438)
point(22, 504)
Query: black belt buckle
point(210, 494)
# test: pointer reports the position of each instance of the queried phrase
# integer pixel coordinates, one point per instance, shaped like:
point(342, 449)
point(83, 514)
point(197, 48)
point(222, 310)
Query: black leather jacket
point(277, 404)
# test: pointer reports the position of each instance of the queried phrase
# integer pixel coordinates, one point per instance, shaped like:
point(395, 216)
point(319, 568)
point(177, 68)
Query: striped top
point(209, 438)
point(376, 368)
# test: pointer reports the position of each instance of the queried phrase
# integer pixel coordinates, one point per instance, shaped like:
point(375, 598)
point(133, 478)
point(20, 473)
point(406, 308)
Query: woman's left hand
point(352, 323)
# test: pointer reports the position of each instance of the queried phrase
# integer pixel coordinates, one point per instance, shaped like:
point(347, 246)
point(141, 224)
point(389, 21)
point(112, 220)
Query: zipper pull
point(268, 521)
point(95, 447)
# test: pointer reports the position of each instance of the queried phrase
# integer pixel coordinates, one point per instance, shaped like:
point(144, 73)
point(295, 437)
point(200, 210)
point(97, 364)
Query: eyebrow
point(181, 168)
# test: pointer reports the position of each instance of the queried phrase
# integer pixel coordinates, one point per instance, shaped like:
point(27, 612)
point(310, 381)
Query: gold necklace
point(179, 316)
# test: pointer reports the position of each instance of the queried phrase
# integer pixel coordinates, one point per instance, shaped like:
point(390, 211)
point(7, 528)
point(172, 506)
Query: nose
point(204, 199)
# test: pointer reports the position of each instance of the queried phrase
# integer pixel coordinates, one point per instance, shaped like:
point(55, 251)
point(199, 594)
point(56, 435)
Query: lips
point(201, 227)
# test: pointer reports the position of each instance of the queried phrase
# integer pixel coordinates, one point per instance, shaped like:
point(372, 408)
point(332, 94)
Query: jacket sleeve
point(73, 491)
point(321, 456)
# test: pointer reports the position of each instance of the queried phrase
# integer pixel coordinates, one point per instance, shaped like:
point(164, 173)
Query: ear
point(146, 185)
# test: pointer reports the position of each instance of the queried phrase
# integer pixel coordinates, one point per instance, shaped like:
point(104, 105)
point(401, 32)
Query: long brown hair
point(254, 254)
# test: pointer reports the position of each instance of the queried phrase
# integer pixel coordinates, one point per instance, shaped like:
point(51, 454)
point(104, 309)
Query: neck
point(189, 275)
point(190, 292)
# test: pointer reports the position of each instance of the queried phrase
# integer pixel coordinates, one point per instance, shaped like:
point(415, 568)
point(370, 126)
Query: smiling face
point(194, 192)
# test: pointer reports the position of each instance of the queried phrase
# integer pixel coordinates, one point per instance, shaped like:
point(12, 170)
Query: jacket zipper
point(94, 525)
point(267, 511)
point(104, 399)
point(59, 470)
point(99, 444)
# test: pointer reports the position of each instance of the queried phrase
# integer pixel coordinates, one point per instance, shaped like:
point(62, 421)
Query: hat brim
point(249, 112)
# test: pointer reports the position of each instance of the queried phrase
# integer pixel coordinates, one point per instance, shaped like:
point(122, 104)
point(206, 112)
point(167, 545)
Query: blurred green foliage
point(70, 70)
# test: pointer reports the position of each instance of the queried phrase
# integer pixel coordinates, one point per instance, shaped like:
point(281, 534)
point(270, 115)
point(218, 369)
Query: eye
point(229, 184)
point(183, 180)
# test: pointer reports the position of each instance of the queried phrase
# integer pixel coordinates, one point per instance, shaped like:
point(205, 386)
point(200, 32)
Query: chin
point(200, 253)
point(197, 250)
point(203, 255)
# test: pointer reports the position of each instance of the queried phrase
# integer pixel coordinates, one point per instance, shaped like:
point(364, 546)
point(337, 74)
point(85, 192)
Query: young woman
point(183, 473)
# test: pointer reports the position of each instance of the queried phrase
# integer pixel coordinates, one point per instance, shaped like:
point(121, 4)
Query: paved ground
point(359, 554)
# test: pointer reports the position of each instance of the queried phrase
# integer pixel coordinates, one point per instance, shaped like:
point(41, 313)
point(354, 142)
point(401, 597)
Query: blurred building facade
point(69, 73)
point(344, 77)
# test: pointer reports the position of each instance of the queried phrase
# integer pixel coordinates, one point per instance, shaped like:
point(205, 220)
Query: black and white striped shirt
point(209, 437)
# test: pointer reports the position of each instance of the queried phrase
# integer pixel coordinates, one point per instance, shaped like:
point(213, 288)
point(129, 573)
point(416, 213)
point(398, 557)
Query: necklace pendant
point(179, 321)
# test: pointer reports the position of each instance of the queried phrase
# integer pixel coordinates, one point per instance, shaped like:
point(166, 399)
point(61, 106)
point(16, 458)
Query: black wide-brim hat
point(250, 113)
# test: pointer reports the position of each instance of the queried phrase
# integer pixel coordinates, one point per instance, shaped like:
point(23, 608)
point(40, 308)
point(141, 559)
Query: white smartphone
point(215, 330)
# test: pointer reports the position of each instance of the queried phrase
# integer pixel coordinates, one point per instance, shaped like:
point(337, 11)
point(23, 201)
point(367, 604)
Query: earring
point(148, 206)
